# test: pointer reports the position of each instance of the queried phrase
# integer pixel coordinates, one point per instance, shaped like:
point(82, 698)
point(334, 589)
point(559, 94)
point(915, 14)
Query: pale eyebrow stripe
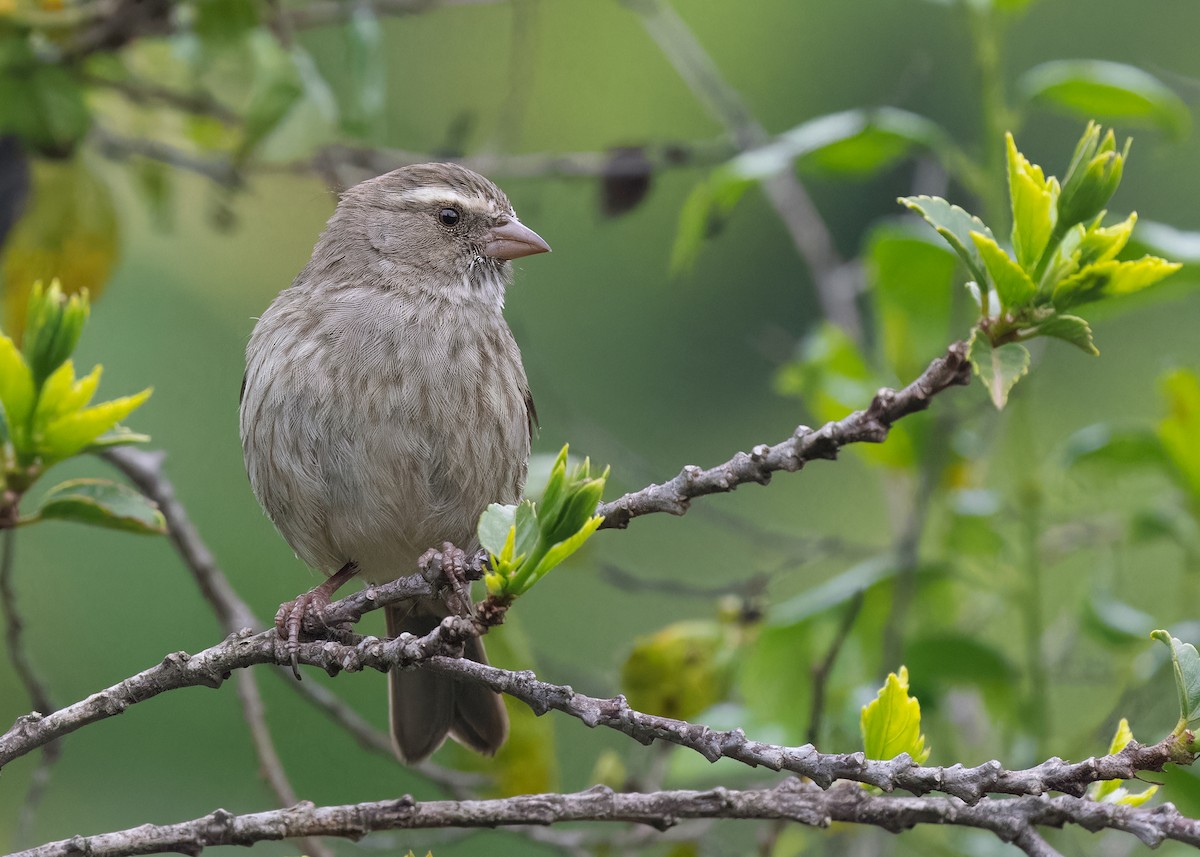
point(438, 194)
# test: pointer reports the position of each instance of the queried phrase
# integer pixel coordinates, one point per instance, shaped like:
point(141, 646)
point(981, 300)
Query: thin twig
point(39, 696)
point(655, 157)
point(866, 426)
point(142, 92)
point(271, 766)
point(118, 148)
point(329, 12)
point(804, 803)
point(820, 672)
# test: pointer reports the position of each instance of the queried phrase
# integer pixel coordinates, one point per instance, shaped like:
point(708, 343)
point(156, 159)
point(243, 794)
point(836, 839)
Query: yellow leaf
point(72, 432)
point(1012, 283)
point(1034, 206)
point(891, 723)
point(16, 385)
point(55, 389)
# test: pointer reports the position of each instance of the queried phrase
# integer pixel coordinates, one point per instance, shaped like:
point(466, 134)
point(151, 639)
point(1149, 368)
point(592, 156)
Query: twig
point(440, 651)
point(835, 286)
point(142, 92)
point(323, 14)
point(656, 157)
point(39, 696)
point(820, 672)
point(119, 148)
point(866, 426)
point(1010, 820)
point(270, 763)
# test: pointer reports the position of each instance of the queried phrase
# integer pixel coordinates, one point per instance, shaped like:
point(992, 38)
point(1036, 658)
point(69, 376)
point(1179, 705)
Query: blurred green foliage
point(1015, 562)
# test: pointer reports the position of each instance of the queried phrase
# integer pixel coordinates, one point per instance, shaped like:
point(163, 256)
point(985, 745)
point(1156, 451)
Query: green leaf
point(703, 215)
point(998, 367)
point(1092, 177)
point(557, 553)
point(277, 92)
point(101, 503)
point(1034, 206)
point(1111, 450)
point(1118, 92)
point(1114, 621)
point(309, 124)
point(955, 225)
point(52, 330)
point(1102, 243)
point(1069, 328)
point(1185, 664)
point(225, 20)
point(891, 723)
point(495, 522)
point(41, 102)
point(363, 105)
point(912, 274)
point(1112, 279)
point(1013, 285)
point(73, 432)
point(16, 384)
point(854, 142)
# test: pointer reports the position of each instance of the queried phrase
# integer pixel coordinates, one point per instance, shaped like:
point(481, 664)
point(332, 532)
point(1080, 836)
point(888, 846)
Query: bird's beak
point(512, 240)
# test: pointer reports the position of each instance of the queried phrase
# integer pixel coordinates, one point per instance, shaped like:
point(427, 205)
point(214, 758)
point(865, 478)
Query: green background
point(633, 367)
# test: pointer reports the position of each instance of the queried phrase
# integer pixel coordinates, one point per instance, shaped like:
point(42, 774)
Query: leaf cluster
point(47, 416)
point(1059, 256)
point(529, 539)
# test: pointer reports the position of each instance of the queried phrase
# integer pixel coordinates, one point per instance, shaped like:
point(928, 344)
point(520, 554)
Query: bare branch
point(440, 650)
point(867, 426)
point(804, 803)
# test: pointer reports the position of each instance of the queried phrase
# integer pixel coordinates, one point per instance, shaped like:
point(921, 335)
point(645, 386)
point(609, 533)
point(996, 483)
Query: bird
point(385, 405)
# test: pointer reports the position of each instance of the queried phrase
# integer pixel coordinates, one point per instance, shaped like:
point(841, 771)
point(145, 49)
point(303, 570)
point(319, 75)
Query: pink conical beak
point(512, 240)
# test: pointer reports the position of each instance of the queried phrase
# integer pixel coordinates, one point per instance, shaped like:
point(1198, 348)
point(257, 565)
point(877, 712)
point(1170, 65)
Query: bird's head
point(442, 229)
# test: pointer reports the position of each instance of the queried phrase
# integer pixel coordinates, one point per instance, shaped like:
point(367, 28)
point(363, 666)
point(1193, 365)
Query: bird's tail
point(425, 707)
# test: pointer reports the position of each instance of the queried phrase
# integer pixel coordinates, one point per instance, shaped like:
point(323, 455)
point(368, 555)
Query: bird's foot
point(453, 565)
point(291, 615)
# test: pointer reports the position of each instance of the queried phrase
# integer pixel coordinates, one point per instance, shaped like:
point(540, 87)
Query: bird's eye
point(449, 216)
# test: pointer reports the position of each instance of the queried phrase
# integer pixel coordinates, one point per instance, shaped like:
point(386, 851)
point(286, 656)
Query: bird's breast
point(404, 422)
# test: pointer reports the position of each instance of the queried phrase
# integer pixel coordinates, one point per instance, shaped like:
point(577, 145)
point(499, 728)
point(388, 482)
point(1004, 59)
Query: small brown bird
point(385, 406)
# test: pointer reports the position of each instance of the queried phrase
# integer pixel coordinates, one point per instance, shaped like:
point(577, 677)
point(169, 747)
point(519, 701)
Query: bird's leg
point(454, 570)
point(289, 619)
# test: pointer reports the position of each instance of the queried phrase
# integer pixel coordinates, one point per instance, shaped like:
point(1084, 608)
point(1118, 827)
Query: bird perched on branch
point(385, 405)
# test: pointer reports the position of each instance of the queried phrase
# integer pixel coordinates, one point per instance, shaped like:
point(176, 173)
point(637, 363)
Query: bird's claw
point(289, 620)
point(453, 564)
